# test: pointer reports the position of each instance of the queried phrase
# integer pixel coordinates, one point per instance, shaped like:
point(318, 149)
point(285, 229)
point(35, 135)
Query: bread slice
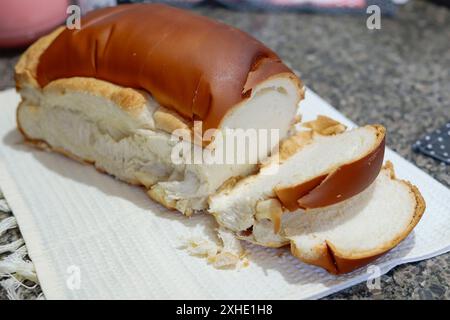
point(314, 169)
point(353, 233)
point(341, 180)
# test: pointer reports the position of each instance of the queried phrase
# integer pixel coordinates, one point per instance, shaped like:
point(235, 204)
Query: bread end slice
point(361, 229)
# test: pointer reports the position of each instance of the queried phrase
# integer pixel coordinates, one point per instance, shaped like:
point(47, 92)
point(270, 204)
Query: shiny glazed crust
point(338, 185)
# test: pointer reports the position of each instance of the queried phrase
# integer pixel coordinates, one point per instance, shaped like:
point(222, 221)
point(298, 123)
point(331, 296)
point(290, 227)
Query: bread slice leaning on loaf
point(87, 95)
point(311, 168)
point(351, 234)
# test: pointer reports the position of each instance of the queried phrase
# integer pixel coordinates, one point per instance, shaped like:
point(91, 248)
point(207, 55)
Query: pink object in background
point(22, 21)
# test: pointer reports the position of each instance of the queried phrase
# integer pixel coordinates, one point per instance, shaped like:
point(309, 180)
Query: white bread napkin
point(91, 236)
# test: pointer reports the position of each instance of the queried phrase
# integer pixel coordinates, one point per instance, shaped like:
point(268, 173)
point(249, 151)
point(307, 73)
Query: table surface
point(398, 76)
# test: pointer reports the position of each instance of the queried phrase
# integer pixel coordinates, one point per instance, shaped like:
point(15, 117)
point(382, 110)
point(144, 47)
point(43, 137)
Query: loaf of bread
point(113, 92)
point(117, 93)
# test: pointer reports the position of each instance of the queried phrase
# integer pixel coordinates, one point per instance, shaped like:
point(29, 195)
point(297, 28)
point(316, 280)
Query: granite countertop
point(398, 76)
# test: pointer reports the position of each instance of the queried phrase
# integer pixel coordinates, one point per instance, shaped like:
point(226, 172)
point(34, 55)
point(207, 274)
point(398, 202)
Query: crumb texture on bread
point(224, 252)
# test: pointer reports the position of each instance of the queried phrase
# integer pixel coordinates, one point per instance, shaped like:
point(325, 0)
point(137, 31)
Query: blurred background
point(396, 73)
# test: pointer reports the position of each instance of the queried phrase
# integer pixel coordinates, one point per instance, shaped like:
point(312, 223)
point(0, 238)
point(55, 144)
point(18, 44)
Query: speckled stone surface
point(398, 76)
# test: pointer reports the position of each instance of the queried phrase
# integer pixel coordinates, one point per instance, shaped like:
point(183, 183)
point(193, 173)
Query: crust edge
point(337, 262)
point(318, 191)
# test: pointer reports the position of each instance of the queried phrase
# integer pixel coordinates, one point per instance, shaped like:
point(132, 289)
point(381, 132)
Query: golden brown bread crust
point(338, 185)
point(26, 67)
point(128, 99)
point(195, 66)
point(332, 263)
point(329, 257)
point(325, 125)
point(293, 144)
point(170, 121)
point(132, 101)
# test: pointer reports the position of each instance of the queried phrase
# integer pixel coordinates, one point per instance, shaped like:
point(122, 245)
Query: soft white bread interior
point(272, 105)
point(304, 156)
point(350, 234)
point(227, 252)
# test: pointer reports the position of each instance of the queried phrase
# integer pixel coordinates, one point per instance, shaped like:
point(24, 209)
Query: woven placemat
point(12, 284)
